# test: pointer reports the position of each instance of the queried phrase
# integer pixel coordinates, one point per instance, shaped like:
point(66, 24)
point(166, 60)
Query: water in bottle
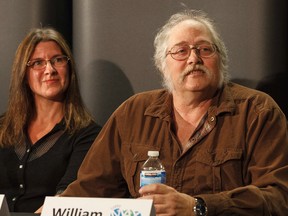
point(152, 170)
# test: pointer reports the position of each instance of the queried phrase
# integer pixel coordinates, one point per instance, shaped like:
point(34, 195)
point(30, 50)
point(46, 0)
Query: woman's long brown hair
point(21, 106)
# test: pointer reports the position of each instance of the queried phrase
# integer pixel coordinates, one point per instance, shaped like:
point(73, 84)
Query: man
point(224, 146)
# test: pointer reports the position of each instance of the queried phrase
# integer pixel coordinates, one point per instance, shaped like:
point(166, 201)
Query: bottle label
point(152, 177)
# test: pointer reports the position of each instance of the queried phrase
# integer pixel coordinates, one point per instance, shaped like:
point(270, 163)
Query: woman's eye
point(38, 62)
point(59, 59)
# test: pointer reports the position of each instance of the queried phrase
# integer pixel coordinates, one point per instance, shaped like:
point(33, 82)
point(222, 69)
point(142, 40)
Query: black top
point(28, 173)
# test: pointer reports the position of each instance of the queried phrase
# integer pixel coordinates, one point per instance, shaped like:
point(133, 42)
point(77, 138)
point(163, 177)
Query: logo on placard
point(117, 211)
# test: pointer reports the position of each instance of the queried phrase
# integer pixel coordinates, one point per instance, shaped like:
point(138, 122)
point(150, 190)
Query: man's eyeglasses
point(39, 64)
point(182, 52)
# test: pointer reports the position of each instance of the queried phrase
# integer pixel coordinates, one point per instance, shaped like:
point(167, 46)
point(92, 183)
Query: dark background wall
point(112, 42)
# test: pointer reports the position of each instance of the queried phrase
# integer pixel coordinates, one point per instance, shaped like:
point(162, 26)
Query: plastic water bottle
point(152, 170)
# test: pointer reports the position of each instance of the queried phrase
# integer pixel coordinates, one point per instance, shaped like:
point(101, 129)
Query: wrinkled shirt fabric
point(237, 162)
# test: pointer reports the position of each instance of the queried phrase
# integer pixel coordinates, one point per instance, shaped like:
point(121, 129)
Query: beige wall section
point(113, 42)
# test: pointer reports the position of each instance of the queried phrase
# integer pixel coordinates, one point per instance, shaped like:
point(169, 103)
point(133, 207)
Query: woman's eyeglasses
point(39, 64)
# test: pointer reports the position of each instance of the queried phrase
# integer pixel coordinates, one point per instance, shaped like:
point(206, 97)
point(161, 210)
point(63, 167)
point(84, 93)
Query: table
point(23, 214)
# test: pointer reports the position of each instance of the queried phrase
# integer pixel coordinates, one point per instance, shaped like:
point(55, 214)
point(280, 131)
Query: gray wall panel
point(113, 41)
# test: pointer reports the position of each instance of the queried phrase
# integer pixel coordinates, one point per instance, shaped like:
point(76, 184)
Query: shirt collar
point(162, 106)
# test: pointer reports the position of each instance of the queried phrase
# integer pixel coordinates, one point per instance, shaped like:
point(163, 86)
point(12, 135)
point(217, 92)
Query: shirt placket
point(21, 174)
point(179, 167)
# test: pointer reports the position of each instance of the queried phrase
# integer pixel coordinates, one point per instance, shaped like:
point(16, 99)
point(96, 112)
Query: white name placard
point(83, 206)
point(4, 211)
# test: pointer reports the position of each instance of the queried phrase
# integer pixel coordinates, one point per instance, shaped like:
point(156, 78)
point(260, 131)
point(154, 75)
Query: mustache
point(190, 68)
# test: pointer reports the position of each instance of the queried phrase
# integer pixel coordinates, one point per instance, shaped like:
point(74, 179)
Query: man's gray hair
point(161, 39)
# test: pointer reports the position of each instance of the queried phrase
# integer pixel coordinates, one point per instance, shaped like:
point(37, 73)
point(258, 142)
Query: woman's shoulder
point(92, 127)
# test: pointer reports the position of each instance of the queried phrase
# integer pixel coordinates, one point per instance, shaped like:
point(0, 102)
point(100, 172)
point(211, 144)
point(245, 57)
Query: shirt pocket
point(135, 156)
point(218, 170)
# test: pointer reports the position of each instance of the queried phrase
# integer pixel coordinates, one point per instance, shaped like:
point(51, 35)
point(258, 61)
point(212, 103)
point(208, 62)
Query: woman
point(46, 131)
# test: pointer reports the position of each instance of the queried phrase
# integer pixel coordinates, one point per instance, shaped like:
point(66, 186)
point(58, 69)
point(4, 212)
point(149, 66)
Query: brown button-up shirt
point(237, 161)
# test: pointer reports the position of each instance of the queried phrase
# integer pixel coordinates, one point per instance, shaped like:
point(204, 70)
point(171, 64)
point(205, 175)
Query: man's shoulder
point(141, 101)
point(243, 94)
point(149, 96)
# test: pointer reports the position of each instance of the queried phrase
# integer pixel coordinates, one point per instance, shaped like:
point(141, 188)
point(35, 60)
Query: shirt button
point(21, 185)
point(14, 199)
point(20, 166)
point(212, 119)
point(28, 150)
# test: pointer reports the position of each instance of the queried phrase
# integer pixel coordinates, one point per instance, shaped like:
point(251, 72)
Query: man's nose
point(194, 57)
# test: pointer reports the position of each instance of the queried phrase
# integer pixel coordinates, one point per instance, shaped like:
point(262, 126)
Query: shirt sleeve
point(100, 174)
